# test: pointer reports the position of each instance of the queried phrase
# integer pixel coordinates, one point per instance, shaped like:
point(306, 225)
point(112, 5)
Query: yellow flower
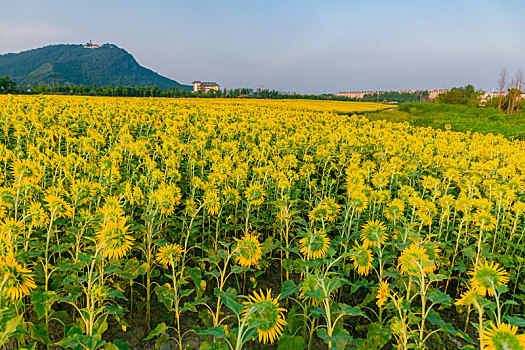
point(314, 245)
point(484, 220)
point(26, 171)
point(166, 198)
point(362, 258)
point(114, 239)
point(503, 336)
point(265, 312)
point(487, 277)
point(373, 233)
point(248, 250)
point(311, 284)
point(414, 260)
point(382, 293)
point(394, 210)
point(213, 202)
point(37, 214)
point(58, 206)
point(468, 298)
point(18, 279)
point(169, 254)
point(231, 195)
point(255, 194)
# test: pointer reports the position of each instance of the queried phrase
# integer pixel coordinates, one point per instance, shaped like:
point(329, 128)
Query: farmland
point(234, 224)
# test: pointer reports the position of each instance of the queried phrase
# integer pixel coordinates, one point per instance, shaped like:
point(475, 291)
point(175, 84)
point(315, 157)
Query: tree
point(6, 85)
point(502, 82)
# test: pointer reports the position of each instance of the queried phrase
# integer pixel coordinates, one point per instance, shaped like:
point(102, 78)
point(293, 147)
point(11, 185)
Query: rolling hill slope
point(62, 64)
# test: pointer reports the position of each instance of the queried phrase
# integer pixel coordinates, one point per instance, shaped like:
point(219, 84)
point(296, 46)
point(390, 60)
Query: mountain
point(105, 65)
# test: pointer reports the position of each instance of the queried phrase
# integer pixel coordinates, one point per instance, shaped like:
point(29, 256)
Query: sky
point(290, 45)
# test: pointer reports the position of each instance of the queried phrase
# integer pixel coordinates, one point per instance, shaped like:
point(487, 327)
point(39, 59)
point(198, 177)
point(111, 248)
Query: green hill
point(62, 64)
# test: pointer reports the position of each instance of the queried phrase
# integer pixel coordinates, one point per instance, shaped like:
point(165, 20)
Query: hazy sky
point(289, 45)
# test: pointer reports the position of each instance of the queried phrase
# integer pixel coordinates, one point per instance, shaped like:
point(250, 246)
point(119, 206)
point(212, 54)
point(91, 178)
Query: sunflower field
point(140, 223)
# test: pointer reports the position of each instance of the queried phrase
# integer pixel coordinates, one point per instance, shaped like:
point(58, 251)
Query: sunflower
point(394, 209)
point(26, 171)
point(487, 277)
point(213, 201)
point(58, 206)
point(114, 239)
point(169, 254)
point(166, 198)
point(312, 286)
point(502, 336)
point(255, 194)
point(231, 195)
point(382, 293)
point(18, 279)
point(333, 208)
point(373, 233)
point(468, 298)
point(37, 214)
point(362, 258)
point(265, 312)
point(358, 200)
point(319, 213)
point(11, 228)
point(484, 220)
point(249, 250)
point(380, 179)
point(413, 259)
point(6, 249)
point(314, 245)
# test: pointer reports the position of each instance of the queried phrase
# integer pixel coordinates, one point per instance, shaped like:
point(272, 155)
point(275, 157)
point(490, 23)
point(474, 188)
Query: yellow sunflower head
point(503, 336)
point(248, 250)
point(362, 259)
point(37, 214)
point(6, 250)
point(394, 209)
point(414, 260)
point(312, 287)
point(484, 220)
point(265, 312)
point(169, 254)
point(114, 239)
point(213, 201)
point(58, 206)
point(314, 245)
point(18, 279)
point(255, 194)
point(488, 276)
point(373, 233)
point(468, 298)
point(382, 293)
point(11, 228)
point(231, 195)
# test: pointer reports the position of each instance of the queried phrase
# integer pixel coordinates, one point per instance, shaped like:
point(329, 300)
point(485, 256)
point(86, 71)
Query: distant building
point(205, 86)
point(90, 45)
point(360, 94)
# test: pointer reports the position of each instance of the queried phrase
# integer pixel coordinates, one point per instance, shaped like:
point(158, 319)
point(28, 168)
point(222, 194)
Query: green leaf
point(289, 288)
point(10, 326)
point(217, 332)
point(438, 297)
point(42, 302)
point(290, 342)
point(434, 318)
point(516, 321)
point(228, 298)
point(352, 311)
point(160, 329)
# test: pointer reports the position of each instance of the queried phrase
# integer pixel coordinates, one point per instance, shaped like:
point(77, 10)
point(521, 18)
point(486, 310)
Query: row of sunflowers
point(147, 223)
